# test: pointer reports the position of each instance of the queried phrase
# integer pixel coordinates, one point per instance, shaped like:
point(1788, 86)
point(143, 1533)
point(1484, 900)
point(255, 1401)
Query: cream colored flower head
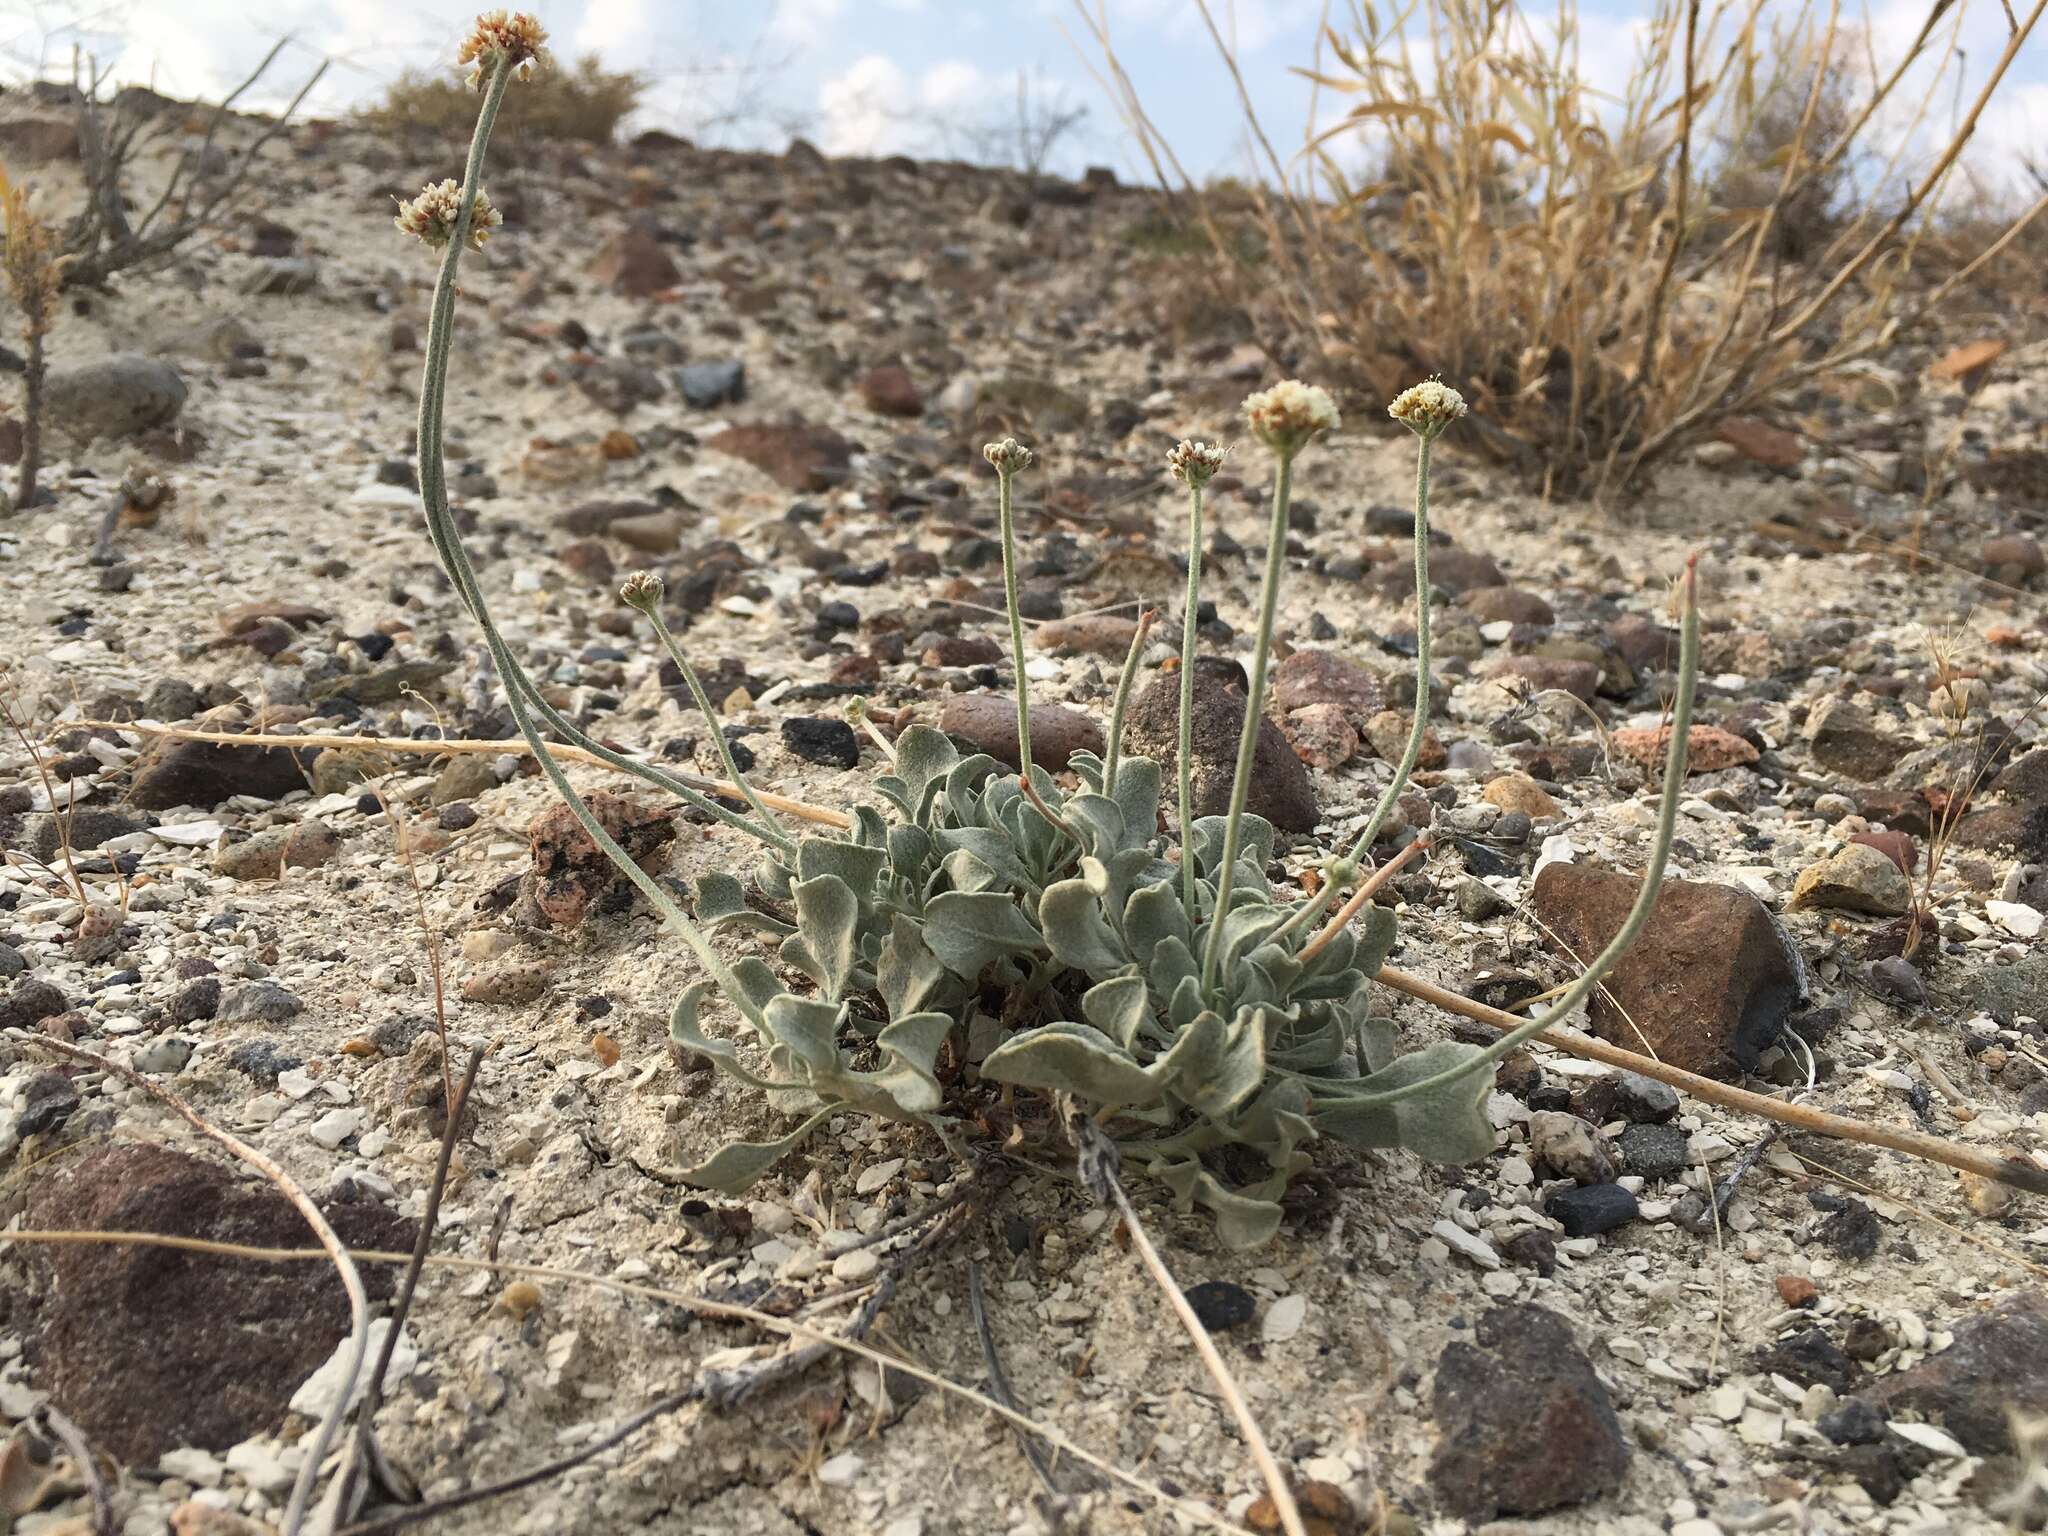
point(1008, 456)
point(1289, 414)
point(642, 590)
point(1195, 463)
point(431, 215)
point(1427, 408)
point(514, 37)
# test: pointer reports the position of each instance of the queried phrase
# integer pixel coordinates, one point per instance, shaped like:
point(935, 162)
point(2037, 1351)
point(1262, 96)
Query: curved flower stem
point(1390, 796)
point(1113, 753)
point(1185, 745)
point(1646, 897)
point(1413, 751)
point(441, 529)
point(1008, 527)
point(1254, 714)
point(704, 707)
point(1367, 888)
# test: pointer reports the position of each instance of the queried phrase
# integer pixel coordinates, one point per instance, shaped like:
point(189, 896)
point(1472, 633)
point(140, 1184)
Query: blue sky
point(876, 76)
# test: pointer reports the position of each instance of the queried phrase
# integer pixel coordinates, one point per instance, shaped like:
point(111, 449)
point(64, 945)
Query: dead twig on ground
point(513, 746)
point(2013, 1171)
point(1098, 1166)
point(61, 1425)
point(999, 1382)
point(346, 1492)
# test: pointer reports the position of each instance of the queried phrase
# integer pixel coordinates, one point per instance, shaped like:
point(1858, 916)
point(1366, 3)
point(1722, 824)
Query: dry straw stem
point(1556, 254)
point(2014, 1171)
point(1180, 1504)
point(818, 814)
point(330, 1244)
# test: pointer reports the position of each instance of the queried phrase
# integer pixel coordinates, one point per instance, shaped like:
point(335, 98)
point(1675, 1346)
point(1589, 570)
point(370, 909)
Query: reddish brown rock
point(1896, 846)
point(1491, 605)
point(590, 559)
point(1843, 738)
point(1772, 447)
point(1996, 1368)
point(1644, 646)
point(890, 391)
point(172, 773)
point(2013, 556)
point(987, 722)
point(1095, 634)
point(1708, 748)
point(796, 456)
point(34, 139)
point(1323, 677)
point(570, 871)
point(1388, 733)
point(1708, 984)
point(150, 1348)
point(1321, 735)
point(634, 263)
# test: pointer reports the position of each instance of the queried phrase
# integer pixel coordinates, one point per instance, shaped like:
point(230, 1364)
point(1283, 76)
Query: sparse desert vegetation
point(786, 842)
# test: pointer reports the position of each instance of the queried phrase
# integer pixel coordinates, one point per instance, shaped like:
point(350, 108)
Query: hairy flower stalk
point(1284, 418)
point(1646, 897)
point(1426, 410)
point(1009, 456)
point(521, 695)
point(643, 591)
point(1114, 751)
point(1195, 464)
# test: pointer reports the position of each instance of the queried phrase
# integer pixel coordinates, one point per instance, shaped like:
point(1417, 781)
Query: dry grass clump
point(583, 104)
point(1609, 279)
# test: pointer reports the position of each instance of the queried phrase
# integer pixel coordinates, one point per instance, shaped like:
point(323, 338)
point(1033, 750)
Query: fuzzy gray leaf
point(1117, 1007)
point(1071, 916)
point(968, 930)
point(734, 1168)
point(1071, 1058)
point(910, 975)
point(1446, 1124)
point(826, 946)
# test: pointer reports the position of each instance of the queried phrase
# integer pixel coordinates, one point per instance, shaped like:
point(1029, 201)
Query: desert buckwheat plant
point(975, 932)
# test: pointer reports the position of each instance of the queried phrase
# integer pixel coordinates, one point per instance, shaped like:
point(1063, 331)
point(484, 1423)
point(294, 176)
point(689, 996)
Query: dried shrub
point(1480, 211)
point(33, 272)
point(583, 104)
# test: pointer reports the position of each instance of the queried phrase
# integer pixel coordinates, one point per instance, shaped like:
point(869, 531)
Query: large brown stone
point(987, 722)
point(795, 455)
point(1322, 677)
point(633, 263)
point(1844, 739)
point(1281, 790)
point(1708, 984)
point(1525, 1422)
point(151, 1348)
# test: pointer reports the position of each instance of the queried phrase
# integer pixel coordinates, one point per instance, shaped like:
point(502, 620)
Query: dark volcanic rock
point(1997, 1365)
point(1709, 983)
point(149, 1348)
point(830, 742)
point(1526, 1424)
point(206, 773)
point(1844, 739)
point(1281, 790)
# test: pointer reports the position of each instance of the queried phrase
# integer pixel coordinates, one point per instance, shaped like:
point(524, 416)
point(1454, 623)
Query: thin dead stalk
point(408, 746)
point(2004, 1170)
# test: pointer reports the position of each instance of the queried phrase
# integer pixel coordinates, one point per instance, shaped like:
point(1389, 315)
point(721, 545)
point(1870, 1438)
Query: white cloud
point(804, 21)
point(951, 86)
point(860, 109)
point(613, 28)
